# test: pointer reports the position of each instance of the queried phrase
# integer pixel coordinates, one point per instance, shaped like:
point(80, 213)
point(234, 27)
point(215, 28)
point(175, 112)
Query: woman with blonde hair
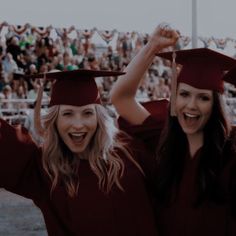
point(88, 178)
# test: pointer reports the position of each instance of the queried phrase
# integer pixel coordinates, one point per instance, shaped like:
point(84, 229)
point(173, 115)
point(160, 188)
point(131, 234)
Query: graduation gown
point(92, 212)
point(182, 217)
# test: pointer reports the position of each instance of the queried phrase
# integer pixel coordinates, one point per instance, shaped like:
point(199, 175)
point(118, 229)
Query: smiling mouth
point(191, 116)
point(191, 120)
point(77, 137)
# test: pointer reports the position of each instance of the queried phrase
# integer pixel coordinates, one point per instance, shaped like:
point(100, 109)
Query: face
point(76, 126)
point(193, 108)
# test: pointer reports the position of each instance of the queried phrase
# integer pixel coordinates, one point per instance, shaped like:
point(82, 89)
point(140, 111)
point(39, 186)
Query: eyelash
point(202, 97)
point(183, 94)
point(66, 114)
point(87, 113)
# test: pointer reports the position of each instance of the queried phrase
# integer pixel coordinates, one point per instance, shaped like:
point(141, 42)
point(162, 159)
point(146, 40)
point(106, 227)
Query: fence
point(11, 109)
point(16, 114)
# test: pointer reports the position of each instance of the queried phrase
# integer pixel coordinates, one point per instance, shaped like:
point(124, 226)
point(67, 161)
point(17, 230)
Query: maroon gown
point(182, 218)
point(92, 212)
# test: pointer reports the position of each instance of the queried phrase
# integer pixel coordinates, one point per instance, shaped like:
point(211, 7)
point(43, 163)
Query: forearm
point(37, 113)
point(127, 85)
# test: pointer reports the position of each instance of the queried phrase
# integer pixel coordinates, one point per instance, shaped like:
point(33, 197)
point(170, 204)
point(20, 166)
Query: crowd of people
point(27, 50)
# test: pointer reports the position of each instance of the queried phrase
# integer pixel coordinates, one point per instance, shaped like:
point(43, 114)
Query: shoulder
point(158, 110)
point(134, 145)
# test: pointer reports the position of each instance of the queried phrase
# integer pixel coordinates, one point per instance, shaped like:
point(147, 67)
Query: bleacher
point(32, 49)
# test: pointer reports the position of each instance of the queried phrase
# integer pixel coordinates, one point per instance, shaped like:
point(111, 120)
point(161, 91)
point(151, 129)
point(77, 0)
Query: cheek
point(179, 104)
point(61, 125)
point(207, 110)
point(93, 124)
point(59, 128)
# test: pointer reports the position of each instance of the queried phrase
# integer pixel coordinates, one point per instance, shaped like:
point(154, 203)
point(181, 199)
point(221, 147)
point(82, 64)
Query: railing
point(22, 100)
point(17, 113)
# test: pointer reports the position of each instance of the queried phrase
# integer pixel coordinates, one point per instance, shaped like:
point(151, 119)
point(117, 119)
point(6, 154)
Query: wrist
point(153, 48)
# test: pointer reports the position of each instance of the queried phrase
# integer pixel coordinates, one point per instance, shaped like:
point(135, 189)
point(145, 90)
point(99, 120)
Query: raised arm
point(37, 111)
point(124, 90)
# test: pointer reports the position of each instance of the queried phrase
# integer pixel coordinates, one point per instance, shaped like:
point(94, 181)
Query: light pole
point(194, 23)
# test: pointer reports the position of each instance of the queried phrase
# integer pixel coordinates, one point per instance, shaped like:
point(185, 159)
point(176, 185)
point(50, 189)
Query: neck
point(195, 142)
point(83, 155)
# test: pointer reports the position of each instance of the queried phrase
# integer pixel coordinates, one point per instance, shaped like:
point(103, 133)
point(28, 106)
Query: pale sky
point(215, 17)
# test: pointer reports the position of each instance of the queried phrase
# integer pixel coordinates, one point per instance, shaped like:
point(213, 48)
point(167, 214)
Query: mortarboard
point(76, 87)
point(202, 68)
point(230, 76)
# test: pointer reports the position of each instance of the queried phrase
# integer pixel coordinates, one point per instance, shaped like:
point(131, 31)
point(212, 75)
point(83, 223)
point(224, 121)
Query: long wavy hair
point(212, 159)
point(103, 153)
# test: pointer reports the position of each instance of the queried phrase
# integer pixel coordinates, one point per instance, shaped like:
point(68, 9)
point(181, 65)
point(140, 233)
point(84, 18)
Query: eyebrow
point(88, 109)
point(85, 109)
point(66, 109)
point(201, 93)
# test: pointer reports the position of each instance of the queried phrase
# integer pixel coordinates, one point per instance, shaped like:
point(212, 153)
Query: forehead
point(77, 108)
point(187, 87)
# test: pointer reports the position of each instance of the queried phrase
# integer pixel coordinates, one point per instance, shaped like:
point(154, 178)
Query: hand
point(163, 36)
point(42, 82)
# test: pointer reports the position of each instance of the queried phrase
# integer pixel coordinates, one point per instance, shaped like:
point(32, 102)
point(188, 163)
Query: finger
point(164, 26)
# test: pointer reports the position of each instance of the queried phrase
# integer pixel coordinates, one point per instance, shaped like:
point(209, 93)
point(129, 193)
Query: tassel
point(173, 86)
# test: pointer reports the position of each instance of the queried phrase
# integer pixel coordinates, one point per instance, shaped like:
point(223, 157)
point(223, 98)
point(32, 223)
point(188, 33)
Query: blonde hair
point(102, 153)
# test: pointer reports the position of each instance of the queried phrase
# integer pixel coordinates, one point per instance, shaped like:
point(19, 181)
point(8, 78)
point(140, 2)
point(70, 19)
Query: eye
point(66, 113)
point(205, 97)
point(183, 94)
point(88, 112)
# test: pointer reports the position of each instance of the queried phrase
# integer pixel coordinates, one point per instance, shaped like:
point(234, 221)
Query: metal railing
point(16, 112)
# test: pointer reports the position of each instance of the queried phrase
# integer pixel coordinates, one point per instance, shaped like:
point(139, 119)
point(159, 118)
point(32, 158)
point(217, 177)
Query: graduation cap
point(76, 87)
point(202, 68)
point(230, 76)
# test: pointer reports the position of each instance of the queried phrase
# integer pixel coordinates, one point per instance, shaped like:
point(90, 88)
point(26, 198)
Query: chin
point(188, 131)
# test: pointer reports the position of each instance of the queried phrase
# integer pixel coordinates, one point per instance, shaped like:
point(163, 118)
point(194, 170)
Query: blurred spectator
point(14, 48)
point(6, 94)
point(9, 64)
point(40, 49)
point(162, 90)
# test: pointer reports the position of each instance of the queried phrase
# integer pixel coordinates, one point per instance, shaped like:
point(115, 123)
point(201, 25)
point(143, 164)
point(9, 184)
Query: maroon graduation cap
point(230, 76)
point(76, 87)
point(202, 68)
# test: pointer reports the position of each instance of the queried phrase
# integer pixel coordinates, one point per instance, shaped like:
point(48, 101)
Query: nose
point(77, 123)
point(192, 103)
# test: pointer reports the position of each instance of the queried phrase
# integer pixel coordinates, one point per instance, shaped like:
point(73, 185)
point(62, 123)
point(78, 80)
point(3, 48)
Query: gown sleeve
point(150, 130)
point(20, 165)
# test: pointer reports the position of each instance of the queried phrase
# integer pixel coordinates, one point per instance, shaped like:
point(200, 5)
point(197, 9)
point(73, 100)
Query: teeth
point(77, 134)
point(191, 115)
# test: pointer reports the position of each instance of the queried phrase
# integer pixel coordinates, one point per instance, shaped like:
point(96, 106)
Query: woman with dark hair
point(88, 178)
point(192, 138)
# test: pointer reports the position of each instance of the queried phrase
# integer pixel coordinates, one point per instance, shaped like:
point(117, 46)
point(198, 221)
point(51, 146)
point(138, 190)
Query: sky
point(215, 17)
